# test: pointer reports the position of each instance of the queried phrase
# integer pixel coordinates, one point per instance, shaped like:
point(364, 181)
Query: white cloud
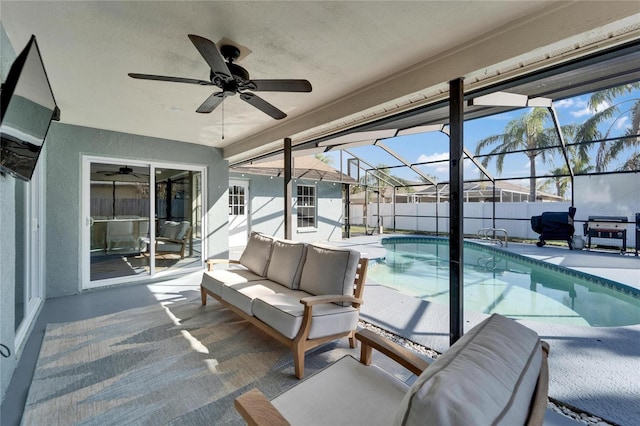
point(565, 103)
point(441, 170)
point(585, 110)
point(622, 122)
point(438, 156)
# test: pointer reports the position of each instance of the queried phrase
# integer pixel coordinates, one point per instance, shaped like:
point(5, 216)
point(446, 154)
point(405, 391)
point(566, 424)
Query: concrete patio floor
point(595, 369)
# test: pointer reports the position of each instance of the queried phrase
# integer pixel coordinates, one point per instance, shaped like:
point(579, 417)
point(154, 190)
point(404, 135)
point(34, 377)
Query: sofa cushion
point(257, 253)
point(242, 295)
point(499, 357)
point(218, 278)
point(283, 312)
point(285, 265)
point(329, 271)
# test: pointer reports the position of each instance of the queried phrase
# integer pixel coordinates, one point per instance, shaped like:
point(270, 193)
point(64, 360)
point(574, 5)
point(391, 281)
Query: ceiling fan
point(126, 170)
point(232, 79)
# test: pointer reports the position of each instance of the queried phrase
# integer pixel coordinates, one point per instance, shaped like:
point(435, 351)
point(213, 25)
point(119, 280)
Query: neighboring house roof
point(306, 167)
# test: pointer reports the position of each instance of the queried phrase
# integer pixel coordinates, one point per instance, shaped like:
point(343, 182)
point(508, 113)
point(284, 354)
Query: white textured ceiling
point(364, 59)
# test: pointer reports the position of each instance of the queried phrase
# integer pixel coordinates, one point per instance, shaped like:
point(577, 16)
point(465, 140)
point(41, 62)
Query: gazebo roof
point(305, 167)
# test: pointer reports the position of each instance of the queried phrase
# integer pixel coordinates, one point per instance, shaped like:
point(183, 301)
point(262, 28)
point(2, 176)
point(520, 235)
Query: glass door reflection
point(178, 239)
point(119, 223)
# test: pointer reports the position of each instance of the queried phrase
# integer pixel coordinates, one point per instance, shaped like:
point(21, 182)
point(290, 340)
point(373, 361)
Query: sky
point(435, 145)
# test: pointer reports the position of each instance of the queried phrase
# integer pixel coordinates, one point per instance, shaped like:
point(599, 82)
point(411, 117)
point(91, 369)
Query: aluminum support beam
point(556, 125)
point(456, 190)
point(288, 190)
point(405, 162)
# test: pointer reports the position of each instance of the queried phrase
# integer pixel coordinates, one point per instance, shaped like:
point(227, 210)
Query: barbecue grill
point(611, 227)
point(554, 226)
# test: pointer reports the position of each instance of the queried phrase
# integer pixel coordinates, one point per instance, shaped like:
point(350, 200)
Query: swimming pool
point(496, 281)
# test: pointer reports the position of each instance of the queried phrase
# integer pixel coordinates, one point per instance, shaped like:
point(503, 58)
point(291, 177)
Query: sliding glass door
point(141, 220)
point(119, 220)
point(178, 207)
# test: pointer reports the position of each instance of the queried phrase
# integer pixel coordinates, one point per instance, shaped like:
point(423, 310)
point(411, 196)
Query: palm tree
point(528, 133)
point(324, 158)
point(561, 178)
point(615, 110)
point(632, 164)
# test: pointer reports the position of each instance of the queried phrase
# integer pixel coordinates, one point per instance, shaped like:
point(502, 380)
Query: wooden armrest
point(212, 262)
point(539, 402)
point(256, 409)
point(329, 298)
point(402, 356)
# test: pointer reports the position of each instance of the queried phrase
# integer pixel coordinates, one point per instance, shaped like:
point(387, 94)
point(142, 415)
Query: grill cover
point(554, 226)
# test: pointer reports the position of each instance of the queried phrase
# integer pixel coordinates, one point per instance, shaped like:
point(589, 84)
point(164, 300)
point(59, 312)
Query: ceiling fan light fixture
point(232, 79)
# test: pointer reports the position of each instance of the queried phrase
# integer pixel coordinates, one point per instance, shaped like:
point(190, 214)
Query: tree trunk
point(532, 179)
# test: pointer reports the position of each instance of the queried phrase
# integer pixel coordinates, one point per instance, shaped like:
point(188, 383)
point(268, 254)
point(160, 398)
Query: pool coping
point(614, 285)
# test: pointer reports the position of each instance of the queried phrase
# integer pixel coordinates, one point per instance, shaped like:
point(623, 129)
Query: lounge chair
point(497, 373)
point(173, 237)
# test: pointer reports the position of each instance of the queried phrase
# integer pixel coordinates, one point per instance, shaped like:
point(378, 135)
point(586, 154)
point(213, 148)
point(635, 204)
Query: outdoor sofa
point(303, 295)
point(496, 374)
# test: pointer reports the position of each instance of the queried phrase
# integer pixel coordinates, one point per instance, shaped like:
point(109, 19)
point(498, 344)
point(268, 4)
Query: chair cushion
point(218, 278)
point(329, 271)
point(285, 265)
point(182, 230)
point(487, 377)
point(283, 312)
point(242, 295)
point(345, 384)
point(169, 229)
point(166, 246)
point(257, 253)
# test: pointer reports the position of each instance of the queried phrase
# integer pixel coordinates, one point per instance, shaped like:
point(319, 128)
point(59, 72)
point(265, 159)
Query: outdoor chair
point(497, 373)
point(120, 236)
point(173, 237)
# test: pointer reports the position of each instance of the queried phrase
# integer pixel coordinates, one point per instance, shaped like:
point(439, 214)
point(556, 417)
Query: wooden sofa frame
point(257, 410)
point(301, 343)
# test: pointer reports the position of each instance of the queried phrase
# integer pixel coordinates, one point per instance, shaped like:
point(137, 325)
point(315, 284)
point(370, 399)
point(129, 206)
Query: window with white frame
point(236, 200)
point(306, 206)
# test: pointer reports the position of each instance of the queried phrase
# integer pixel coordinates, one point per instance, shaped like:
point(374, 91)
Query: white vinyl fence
point(515, 218)
point(601, 195)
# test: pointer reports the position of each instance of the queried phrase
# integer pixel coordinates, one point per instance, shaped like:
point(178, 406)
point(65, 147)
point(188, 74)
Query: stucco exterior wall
point(7, 278)
point(66, 146)
point(7, 245)
point(267, 207)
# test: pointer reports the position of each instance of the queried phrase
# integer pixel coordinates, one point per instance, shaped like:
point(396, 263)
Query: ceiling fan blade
point(212, 55)
point(171, 79)
point(211, 102)
point(262, 105)
point(281, 85)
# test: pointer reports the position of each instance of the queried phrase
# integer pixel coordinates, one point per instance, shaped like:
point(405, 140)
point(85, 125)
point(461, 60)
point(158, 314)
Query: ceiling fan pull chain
point(222, 121)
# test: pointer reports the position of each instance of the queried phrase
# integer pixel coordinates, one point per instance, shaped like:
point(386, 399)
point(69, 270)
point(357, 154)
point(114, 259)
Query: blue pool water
point(496, 281)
